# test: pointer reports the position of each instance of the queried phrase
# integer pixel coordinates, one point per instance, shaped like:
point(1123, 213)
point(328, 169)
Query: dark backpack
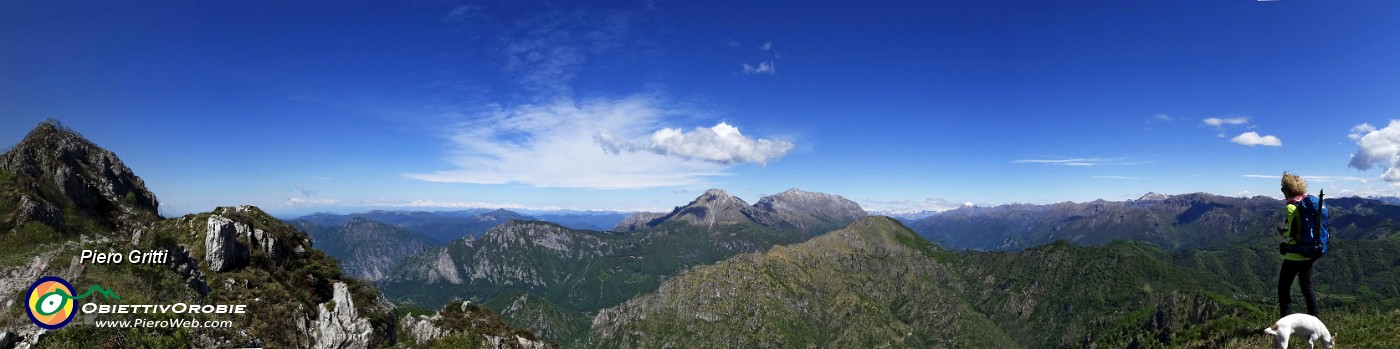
point(1311, 234)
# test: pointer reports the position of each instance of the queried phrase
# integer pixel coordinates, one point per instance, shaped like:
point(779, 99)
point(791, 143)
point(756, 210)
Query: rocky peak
point(1153, 196)
point(338, 324)
point(809, 203)
point(807, 211)
point(54, 169)
point(713, 207)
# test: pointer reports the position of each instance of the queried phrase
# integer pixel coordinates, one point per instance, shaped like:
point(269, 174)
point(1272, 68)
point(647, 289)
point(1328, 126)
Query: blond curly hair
point(1293, 185)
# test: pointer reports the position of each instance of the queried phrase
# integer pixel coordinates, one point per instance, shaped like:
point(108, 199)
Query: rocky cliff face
point(520, 253)
point(56, 177)
point(366, 249)
point(338, 324)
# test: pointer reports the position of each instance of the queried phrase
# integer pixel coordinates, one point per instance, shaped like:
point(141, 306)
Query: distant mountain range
point(370, 244)
point(570, 273)
point(366, 249)
point(1189, 221)
point(435, 228)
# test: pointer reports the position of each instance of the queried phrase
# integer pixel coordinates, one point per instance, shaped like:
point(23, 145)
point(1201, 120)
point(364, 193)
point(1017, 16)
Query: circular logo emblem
point(50, 302)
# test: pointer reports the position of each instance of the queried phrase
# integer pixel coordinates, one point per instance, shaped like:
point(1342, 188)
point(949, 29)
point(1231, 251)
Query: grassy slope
point(872, 284)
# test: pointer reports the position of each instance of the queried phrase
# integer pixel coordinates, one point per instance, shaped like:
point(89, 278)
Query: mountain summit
point(812, 213)
point(60, 179)
point(714, 207)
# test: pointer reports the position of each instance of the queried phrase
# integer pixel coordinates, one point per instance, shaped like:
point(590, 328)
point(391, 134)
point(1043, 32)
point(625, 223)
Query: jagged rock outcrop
point(513, 342)
point(62, 171)
point(422, 328)
point(338, 325)
point(224, 249)
point(468, 319)
point(20, 339)
point(188, 267)
point(221, 247)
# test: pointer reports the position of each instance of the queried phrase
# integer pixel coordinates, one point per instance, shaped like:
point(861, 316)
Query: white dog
point(1302, 325)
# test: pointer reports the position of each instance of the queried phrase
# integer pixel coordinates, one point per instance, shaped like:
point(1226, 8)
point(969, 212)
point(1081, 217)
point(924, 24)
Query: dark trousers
point(1302, 270)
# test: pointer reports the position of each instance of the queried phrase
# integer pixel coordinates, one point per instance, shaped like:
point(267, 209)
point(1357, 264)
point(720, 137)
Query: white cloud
point(1163, 117)
point(1377, 147)
point(722, 144)
point(1361, 131)
point(1217, 122)
point(1253, 138)
point(766, 46)
point(599, 144)
point(762, 68)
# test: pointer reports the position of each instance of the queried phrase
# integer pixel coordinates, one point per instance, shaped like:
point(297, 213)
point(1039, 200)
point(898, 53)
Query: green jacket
point(1290, 222)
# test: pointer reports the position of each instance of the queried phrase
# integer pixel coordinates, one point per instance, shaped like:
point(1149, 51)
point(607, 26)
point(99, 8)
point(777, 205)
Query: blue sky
point(346, 106)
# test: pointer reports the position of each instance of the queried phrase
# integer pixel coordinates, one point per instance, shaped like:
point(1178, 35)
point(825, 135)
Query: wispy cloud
point(1218, 122)
point(935, 204)
point(1320, 179)
point(769, 64)
point(598, 144)
point(1252, 138)
point(766, 68)
point(1084, 162)
point(1377, 147)
point(1125, 178)
point(1163, 117)
point(546, 52)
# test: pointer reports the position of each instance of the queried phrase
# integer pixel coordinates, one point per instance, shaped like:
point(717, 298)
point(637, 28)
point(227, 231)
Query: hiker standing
point(1295, 263)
